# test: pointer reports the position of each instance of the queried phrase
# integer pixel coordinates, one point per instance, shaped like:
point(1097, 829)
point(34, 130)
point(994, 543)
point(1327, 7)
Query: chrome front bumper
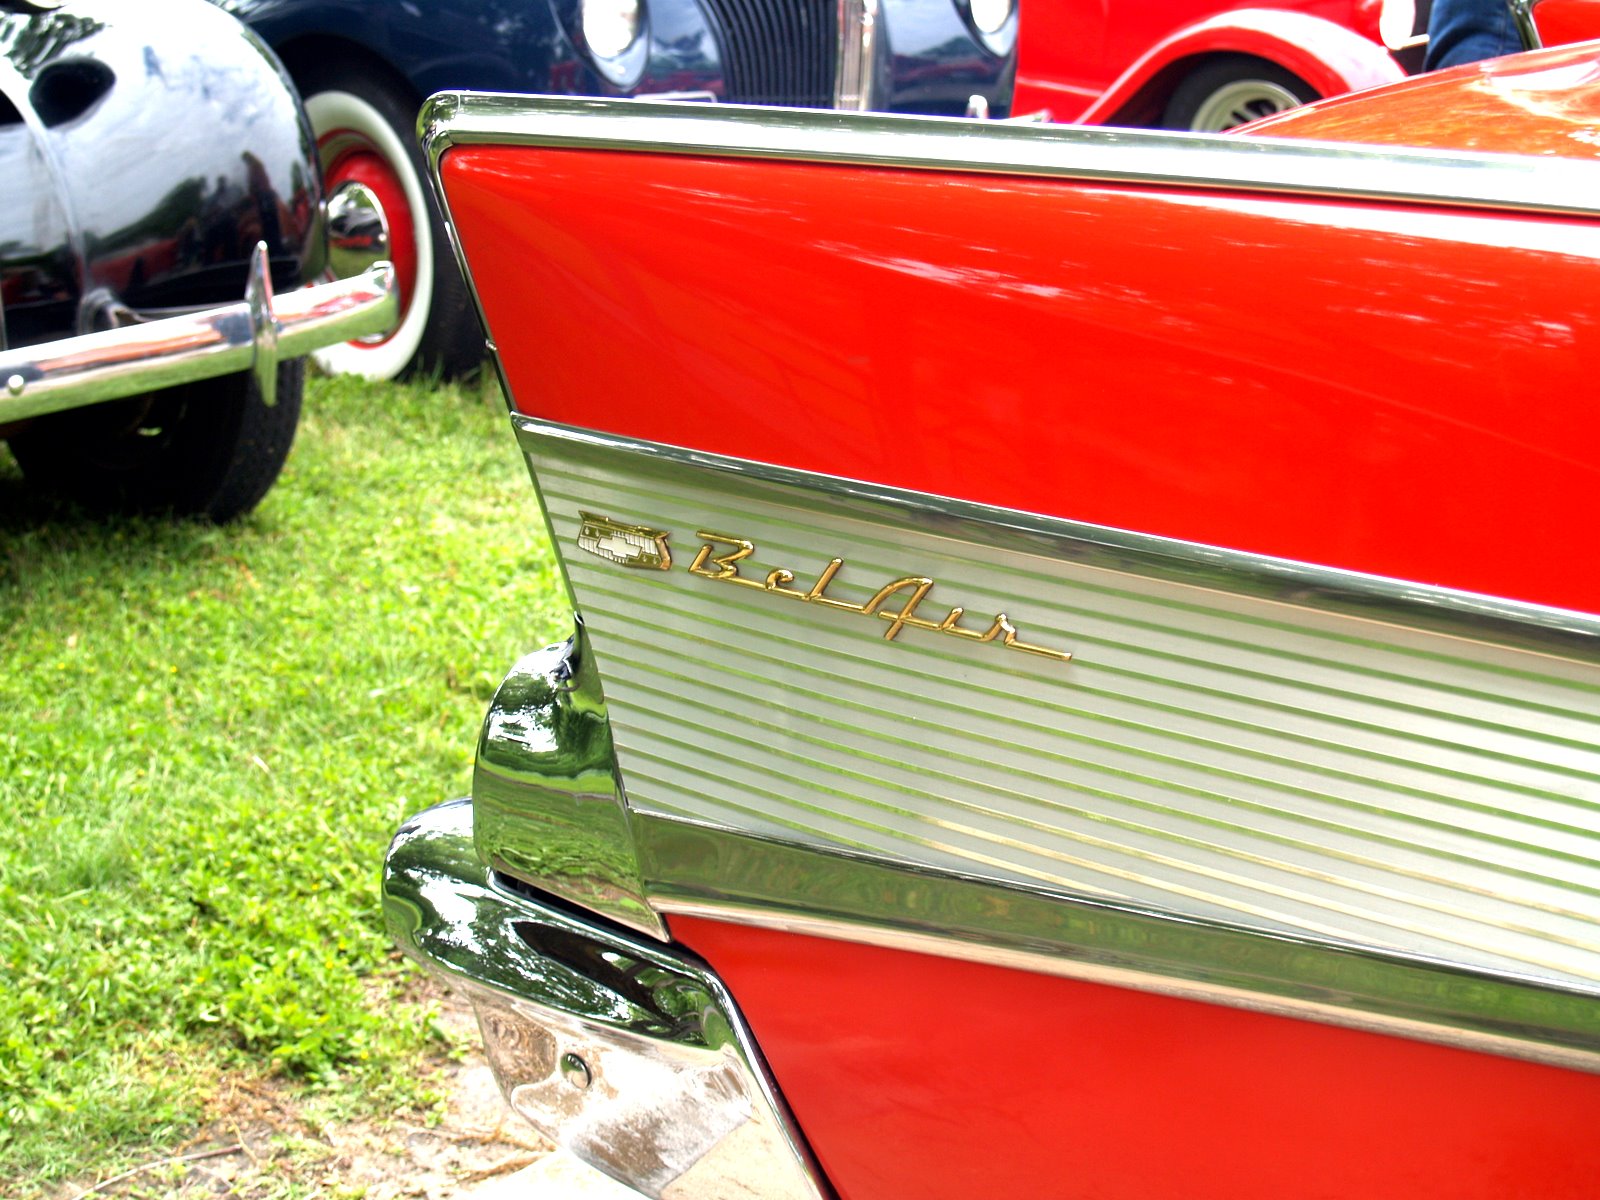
point(249, 335)
point(630, 1057)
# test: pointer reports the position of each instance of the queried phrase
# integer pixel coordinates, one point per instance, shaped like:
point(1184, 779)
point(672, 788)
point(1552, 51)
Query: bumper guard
point(631, 1058)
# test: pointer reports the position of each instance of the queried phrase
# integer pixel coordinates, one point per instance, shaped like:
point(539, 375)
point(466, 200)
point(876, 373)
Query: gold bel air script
point(911, 591)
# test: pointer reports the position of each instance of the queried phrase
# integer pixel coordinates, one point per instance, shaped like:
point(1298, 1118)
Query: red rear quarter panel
point(1412, 400)
point(914, 1082)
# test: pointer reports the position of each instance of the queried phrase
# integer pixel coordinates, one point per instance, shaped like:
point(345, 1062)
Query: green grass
point(209, 736)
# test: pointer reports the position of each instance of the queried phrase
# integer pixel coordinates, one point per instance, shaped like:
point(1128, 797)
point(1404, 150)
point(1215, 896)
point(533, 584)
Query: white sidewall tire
point(332, 110)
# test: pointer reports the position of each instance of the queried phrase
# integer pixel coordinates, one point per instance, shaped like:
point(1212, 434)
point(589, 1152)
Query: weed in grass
point(212, 734)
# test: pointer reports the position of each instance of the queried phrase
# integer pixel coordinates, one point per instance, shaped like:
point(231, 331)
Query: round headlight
point(990, 16)
point(610, 27)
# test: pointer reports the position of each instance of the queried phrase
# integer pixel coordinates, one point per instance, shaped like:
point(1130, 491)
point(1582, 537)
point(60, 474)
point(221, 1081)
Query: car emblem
point(719, 555)
point(710, 562)
point(626, 545)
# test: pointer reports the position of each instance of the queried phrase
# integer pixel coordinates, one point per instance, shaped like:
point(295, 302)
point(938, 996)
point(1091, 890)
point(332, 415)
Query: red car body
point(1271, 867)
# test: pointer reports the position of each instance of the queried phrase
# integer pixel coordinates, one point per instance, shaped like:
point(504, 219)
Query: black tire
point(358, 113)
point(1232, 89)
point(209, 449)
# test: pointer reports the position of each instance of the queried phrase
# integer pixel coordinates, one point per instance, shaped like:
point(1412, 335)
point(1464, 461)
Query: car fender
point(1328, 56)
point(106, 222)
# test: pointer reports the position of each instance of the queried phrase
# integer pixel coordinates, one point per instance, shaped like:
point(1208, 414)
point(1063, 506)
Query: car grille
point(778, 51)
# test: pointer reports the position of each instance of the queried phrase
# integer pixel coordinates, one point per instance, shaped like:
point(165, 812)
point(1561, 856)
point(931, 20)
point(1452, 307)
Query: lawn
point(210, 735)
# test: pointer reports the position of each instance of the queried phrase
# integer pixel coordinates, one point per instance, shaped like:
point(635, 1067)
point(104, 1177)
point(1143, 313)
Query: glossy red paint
point(1562, 22)
point(906, 1077)
point(1086, 61)
point(1367, 408)
point(1547, 102)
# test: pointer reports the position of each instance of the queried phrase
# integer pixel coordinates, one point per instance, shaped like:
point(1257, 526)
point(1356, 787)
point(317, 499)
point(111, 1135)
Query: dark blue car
point(364, 67)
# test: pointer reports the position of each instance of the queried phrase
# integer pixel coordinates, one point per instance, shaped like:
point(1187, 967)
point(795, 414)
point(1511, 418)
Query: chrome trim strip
point(1471, 615)
point(634, 1059)
point(250, 335)
point(1128, 156)
point(856, 71)
point(1527, 27)
point(699, 870)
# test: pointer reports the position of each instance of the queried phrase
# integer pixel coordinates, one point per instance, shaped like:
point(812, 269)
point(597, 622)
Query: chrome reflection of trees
point(31, 42)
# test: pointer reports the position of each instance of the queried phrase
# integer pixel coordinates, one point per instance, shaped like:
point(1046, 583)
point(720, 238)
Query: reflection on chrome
point(251, 335)
point(631, 1059)
point(550, 810)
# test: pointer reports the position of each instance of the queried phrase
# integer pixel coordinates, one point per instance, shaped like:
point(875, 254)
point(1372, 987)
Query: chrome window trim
point(1562, 632)
point(1121, 156)
point(705, 871)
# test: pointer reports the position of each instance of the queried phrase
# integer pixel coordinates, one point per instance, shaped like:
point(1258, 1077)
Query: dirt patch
point(262, 1141)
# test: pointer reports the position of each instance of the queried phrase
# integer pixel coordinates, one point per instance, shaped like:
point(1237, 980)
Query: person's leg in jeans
point(1463, 31)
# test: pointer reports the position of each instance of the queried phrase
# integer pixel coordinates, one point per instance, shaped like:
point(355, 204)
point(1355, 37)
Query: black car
point(160, 210)
point(365, 66)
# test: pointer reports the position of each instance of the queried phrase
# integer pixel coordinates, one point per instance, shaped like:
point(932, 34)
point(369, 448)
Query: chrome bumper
point(633, 1059)
point(250, 335)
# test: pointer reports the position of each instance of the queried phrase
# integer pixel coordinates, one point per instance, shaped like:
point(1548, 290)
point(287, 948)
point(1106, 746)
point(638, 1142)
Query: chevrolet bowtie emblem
point(625, 545)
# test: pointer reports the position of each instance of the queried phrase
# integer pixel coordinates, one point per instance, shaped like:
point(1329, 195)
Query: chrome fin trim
point(1471, 615)
point(632, 1058)
point(704, 871)
point(548, 801)
point(1258, 164)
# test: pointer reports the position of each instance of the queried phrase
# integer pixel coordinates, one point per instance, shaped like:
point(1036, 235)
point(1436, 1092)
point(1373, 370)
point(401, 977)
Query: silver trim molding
point(1453, 179)
point(1461, 614)
point(1382, 794)
point(699, 870)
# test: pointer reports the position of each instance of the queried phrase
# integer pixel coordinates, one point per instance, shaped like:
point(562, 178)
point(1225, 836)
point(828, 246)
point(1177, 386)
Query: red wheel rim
point(348, 155)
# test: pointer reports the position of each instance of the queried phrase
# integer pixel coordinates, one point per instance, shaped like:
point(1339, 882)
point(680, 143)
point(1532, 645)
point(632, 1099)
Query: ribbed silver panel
point(1207, 752)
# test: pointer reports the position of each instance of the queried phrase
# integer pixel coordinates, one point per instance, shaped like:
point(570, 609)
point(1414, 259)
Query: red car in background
point(1205, 64)
point(1210, 65)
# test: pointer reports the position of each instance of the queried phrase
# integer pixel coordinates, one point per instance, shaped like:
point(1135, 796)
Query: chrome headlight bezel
point(992, 22)
point(615, 37)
